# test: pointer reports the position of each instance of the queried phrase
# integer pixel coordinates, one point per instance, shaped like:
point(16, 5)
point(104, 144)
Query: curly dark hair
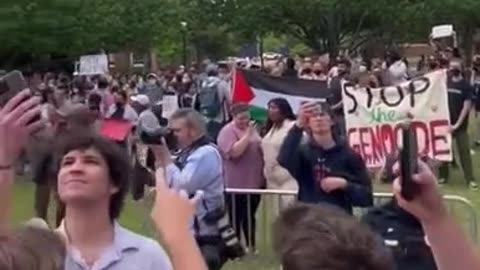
point(285, 110)
point(116, 158)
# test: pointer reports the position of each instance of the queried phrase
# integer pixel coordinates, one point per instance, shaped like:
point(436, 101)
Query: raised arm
point(15, 128)
point(450, 246)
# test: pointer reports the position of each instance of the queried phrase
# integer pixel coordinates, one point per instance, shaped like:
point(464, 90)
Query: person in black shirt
point(327, 169)
point(460, 96)
point(343, 69)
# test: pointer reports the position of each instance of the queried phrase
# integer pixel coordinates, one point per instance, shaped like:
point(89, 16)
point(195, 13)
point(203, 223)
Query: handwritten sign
point(373, 118)
point(170, 105)
point(93, 64)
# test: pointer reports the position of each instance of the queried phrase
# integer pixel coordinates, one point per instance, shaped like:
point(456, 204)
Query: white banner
point(93, 64)
point(373, 117)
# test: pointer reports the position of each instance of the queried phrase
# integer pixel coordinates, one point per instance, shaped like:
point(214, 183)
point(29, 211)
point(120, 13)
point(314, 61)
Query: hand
point(331, 184)
point(453, 128)
point(251, 130)
point(172, 211)
point(15, 126)
point(162, 153)
point(303, 114)
point(428, 206)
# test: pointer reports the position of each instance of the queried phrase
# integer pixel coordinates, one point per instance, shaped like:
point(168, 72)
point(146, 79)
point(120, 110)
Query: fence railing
point(253, 211)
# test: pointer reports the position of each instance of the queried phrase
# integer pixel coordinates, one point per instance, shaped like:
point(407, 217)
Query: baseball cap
point(141, 99)
point(211, 68)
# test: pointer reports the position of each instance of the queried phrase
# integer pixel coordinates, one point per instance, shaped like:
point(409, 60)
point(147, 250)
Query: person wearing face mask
point(460, 96)
point(186, 99)
point(152, 89)
point(318, 73)
point(306, 73)
point(121, 110)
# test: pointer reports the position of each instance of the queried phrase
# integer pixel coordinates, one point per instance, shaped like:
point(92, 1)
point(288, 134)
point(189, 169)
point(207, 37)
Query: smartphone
point(409, 162)
point(10, 84)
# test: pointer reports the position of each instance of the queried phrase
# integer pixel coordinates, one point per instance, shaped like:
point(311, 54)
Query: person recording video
point(326, 169)
point(197, 167)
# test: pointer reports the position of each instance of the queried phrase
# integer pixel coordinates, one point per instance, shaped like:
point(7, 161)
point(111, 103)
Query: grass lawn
point(136, 216)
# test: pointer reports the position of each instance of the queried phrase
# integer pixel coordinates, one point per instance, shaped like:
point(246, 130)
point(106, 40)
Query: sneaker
point(472, 152)
point(473, 186)
point(442, 181)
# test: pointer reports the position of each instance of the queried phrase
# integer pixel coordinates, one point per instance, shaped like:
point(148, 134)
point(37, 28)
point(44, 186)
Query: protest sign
point(373, 118)
point(169, 105)
point(93, 64)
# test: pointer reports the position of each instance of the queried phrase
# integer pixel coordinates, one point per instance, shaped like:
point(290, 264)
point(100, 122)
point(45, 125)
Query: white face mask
point(152, 81)
point(362, 69)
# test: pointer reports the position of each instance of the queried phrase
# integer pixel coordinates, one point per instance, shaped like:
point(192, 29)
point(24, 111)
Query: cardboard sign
point(93, 64)
point(373, 118)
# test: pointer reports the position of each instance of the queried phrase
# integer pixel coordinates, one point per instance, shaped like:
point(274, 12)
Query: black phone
point(409, 162)
point(10, 84)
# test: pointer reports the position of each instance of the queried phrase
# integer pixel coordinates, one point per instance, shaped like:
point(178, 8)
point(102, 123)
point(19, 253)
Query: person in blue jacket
point(327, 169)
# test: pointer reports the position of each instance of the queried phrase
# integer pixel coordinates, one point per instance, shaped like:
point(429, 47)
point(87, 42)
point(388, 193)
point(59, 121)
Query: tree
point(42, 28)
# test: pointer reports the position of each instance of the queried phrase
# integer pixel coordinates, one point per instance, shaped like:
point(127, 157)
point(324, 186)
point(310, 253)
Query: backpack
point(403, 235)
point(209, 101)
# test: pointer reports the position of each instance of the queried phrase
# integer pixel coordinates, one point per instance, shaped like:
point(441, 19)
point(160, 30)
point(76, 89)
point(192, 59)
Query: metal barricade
point(254, 225)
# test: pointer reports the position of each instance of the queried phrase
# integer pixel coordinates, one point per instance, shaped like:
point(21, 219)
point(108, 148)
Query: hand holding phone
point(10, 85)
point(409, 162)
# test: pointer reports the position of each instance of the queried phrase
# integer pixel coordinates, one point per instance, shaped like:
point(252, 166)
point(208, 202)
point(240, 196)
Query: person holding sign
point(327, 170)
point(460, 96)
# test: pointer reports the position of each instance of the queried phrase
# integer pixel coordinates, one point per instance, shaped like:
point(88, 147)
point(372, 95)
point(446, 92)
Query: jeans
point(242, 209)
point(462, 141)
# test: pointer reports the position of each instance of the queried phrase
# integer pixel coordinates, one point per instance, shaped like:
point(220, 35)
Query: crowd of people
point(207, 145)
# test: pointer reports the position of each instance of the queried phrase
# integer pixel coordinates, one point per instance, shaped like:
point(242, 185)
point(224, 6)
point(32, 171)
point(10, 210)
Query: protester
point(326, 169)
point(475, 81)
point(152, 89)
point(307, 72)
point(290, 70)
point(240, 145)
point(185, 100)
point(280, 120)
point(460, 96)
point(121, 110)
point(318, 72)
point(198, 166)
point(105, 92)
point(213, 101)
point(397, 69)
point(343, 70)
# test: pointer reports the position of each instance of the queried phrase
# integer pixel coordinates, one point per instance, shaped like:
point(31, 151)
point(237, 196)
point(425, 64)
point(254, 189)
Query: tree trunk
point(467, 43)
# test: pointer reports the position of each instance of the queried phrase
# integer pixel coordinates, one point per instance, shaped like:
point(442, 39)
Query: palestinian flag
point(257, 89)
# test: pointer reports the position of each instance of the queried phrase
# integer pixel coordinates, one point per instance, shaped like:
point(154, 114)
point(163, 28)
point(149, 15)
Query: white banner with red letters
point(373, 117)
